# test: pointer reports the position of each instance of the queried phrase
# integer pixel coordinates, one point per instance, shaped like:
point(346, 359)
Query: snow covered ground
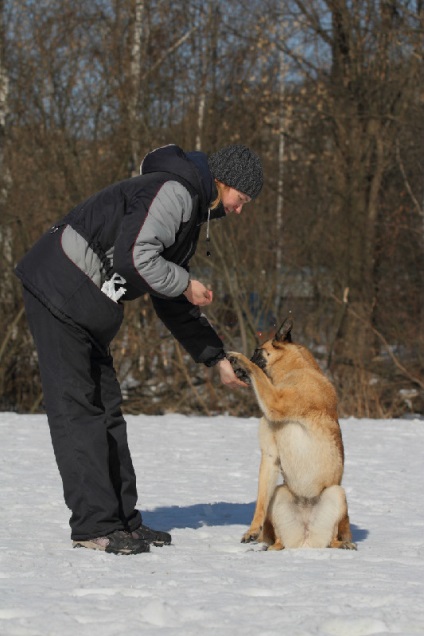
point(197, 477)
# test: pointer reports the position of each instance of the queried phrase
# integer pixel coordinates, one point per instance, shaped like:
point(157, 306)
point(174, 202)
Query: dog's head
point(264, 355)
point(279, 355)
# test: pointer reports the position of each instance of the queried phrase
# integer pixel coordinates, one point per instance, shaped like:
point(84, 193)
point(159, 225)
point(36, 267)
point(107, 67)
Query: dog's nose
point(257, 355)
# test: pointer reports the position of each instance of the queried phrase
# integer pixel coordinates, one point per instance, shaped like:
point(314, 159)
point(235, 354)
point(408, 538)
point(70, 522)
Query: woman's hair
point(220, 188)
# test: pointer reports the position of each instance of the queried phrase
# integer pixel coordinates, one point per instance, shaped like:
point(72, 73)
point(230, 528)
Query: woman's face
point(233, 200)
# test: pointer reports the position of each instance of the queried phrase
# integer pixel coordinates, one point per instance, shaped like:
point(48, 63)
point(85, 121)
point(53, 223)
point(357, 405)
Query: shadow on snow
point(214, 514)
point(199, 515)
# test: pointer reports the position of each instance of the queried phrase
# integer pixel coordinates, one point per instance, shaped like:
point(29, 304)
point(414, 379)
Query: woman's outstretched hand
point(227, 375)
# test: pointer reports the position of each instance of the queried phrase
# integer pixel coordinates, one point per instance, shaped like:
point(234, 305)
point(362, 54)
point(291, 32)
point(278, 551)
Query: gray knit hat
point(239, 168)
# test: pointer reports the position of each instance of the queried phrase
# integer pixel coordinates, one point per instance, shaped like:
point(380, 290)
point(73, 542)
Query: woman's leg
point(121, 468)
point(85, 433)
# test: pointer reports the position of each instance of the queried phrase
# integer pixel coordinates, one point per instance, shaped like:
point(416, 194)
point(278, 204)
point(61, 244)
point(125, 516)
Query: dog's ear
point(284, 332)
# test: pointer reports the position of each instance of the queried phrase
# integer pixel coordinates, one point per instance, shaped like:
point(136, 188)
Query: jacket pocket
point(90, 308)
point(67, 291)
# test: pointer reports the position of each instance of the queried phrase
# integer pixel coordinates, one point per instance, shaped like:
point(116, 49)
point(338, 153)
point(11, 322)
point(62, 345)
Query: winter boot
point(156, 537)
point(117, 542)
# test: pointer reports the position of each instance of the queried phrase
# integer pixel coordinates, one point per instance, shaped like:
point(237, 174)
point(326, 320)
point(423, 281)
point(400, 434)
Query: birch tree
point(138, 56)
point(3, 103)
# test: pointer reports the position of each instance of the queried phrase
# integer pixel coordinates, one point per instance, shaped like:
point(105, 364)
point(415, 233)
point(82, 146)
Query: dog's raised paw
point(242, 375)
point(233, 356)
point(235, 360)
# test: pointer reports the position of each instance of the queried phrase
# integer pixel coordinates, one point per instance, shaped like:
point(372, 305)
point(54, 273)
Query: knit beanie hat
point(239, 168)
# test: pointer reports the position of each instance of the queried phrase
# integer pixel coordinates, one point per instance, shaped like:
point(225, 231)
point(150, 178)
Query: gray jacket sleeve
point(171, 206)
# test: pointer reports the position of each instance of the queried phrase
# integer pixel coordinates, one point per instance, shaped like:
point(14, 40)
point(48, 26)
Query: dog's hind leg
point(287, 520)
point(331, 514)
point(269, 472)
point(343, 539)
point(325, 517)
point(300, 523)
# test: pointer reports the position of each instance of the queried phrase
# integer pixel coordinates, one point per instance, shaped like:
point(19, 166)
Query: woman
point(134, 237)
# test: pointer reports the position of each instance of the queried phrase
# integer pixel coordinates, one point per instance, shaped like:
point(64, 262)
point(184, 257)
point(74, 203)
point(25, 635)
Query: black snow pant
point(82, 399)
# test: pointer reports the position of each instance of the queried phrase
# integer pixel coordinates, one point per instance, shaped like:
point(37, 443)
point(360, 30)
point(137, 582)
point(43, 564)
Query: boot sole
point(91, 545)
point(158, 544)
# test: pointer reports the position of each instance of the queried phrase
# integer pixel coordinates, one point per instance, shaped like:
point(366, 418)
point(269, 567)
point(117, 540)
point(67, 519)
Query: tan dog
point(300, 438)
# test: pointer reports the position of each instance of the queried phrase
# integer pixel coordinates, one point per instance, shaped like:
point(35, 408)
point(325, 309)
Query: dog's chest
point(293, 441)
point(304, 457)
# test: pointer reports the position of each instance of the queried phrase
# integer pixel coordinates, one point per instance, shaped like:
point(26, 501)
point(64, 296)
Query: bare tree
point(138, 61)
point(327, 92)
point(3, 89)
point(360, 87)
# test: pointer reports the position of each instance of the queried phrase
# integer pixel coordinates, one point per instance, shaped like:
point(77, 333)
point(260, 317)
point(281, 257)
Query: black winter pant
point(82, 399)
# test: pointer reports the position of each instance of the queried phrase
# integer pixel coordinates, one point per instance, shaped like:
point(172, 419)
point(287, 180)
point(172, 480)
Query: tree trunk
point(279, 213)
point(3, 101)
point(135, 114)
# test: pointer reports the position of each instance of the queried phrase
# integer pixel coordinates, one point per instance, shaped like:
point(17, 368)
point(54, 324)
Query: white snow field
point(197, 477)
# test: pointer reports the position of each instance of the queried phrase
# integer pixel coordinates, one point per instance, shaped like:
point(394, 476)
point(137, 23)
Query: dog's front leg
point(266, 394)
point(269, 472)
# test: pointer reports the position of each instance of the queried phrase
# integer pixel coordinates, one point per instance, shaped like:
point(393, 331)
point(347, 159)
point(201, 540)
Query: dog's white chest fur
point(306, 459)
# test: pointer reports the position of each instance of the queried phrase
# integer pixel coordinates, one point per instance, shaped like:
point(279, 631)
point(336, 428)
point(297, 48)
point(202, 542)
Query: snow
point(197, 477)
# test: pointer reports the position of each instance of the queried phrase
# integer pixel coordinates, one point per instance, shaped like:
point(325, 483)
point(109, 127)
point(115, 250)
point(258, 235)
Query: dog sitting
point(300, 438)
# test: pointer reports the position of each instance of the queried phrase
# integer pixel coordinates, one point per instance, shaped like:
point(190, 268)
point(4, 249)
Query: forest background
point(330, 94)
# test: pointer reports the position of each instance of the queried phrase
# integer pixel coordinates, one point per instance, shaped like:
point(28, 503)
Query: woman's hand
point(227, 375)
point(198, 294)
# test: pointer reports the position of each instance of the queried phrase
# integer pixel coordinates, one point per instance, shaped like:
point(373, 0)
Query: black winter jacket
point(146, 230)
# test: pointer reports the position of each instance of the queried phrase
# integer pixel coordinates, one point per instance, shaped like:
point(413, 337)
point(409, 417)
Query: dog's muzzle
point(258, 359)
